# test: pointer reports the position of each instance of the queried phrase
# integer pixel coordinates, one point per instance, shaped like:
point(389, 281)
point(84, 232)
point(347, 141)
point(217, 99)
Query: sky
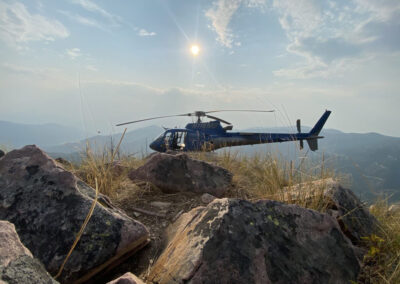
point(92, 64)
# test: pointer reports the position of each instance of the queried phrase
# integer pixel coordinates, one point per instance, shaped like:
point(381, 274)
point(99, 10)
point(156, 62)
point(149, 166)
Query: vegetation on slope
point(264, 176)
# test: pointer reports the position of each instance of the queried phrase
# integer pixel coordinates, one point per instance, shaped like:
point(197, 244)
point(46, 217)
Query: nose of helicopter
point(153, 146)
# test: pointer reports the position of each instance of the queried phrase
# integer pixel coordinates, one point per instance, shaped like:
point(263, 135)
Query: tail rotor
point(298, 124)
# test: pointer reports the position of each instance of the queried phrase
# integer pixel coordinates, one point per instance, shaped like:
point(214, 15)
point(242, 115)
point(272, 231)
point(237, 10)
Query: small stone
point(161, 204)
point(207, 198)
point(137, 214)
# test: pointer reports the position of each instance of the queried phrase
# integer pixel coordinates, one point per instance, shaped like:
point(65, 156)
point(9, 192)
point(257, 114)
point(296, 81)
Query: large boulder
point(352, 215)
point(236, 241)
point(180, 173)
point(17, 264)
point(48, 206)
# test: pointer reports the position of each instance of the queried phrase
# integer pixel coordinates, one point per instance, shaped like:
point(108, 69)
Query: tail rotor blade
point(298, 126)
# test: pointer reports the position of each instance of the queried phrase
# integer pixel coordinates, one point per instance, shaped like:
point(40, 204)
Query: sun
point(195, 49)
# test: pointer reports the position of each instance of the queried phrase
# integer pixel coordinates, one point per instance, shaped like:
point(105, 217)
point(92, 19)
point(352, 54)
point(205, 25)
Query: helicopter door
point(179, 140)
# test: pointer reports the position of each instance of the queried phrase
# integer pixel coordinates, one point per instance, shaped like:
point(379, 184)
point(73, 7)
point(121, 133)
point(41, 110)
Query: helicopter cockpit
point(175, 139)
point(172, 139)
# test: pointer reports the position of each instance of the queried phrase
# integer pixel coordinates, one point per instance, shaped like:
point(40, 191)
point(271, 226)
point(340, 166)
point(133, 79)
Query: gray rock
point(180, 173)
point(17, 264)
point(236, 241)
point(352, 215)
point(207, 198)
point(127, 278)
point(48, 206)
point(161, 204)
point(1, 153)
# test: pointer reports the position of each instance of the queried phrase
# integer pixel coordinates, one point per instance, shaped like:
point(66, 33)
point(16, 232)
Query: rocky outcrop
point(17, 264)
point(353, 217)
point(48, 205)
point(236, 241)
point(1, 153)
point(127, 278)
point(180, 173)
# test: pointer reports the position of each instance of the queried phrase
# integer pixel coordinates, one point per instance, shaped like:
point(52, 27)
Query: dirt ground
point(137, 200)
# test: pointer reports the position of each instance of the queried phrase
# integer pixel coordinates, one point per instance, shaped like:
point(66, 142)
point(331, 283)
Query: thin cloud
point(91, 68)
point(18, 26)
point(73, 53)
point(334, 37)
point(94, 8)
point(83, 20)
point(221, 15)
point(143, 32)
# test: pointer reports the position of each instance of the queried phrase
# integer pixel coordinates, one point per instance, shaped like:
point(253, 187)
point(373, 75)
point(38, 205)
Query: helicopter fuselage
point(208, 136)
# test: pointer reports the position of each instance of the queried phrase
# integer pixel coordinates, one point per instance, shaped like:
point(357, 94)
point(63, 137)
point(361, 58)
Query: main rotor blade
point(140, 120)
point(245, 110)
point(214, 117)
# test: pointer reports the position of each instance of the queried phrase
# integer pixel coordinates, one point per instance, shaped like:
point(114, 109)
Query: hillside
point(370, 161)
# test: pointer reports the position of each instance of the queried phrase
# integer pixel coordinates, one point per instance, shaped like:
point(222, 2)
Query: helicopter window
point(159, 136)
point(179, 139)
point(168, 136)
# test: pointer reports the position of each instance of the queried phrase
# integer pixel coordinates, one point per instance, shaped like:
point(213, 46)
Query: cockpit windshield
point(159, 136)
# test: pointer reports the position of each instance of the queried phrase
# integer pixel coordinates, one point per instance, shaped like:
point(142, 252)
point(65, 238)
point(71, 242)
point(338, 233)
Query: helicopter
point(212, 135)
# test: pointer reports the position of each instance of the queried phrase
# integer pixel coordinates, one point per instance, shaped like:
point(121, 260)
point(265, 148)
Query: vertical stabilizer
point(321, 122)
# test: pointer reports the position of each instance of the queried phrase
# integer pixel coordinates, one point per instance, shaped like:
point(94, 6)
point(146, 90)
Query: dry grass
point(382, 262)
point(265, 176)
point(103, 167)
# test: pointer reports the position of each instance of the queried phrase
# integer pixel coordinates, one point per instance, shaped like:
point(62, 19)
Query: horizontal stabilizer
point(313, 144)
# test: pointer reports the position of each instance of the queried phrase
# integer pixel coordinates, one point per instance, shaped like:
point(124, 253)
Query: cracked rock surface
point(237, 241)
point(48, 205)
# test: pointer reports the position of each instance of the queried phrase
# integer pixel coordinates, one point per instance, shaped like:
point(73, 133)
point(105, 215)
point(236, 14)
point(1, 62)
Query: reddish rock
point(237, 241)
point(352, 215)
point(17, 264)
point(180, 173)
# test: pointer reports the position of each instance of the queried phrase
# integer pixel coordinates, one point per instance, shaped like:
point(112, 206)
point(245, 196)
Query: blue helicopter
point(209, 136)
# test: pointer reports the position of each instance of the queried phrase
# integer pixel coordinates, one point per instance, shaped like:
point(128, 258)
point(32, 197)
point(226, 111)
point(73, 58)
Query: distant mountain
point(16, 135)
point(370, 160)
point(135, 142)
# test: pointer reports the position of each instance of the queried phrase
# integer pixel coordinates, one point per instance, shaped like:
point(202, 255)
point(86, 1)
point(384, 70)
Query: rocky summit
point(48, 205)
point(180, 173)
point(237, 241)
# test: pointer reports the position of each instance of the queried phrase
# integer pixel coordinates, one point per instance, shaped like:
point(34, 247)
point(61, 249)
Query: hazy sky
point(93, 64)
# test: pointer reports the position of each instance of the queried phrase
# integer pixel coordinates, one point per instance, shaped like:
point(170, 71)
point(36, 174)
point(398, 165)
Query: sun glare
point(195, 49)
